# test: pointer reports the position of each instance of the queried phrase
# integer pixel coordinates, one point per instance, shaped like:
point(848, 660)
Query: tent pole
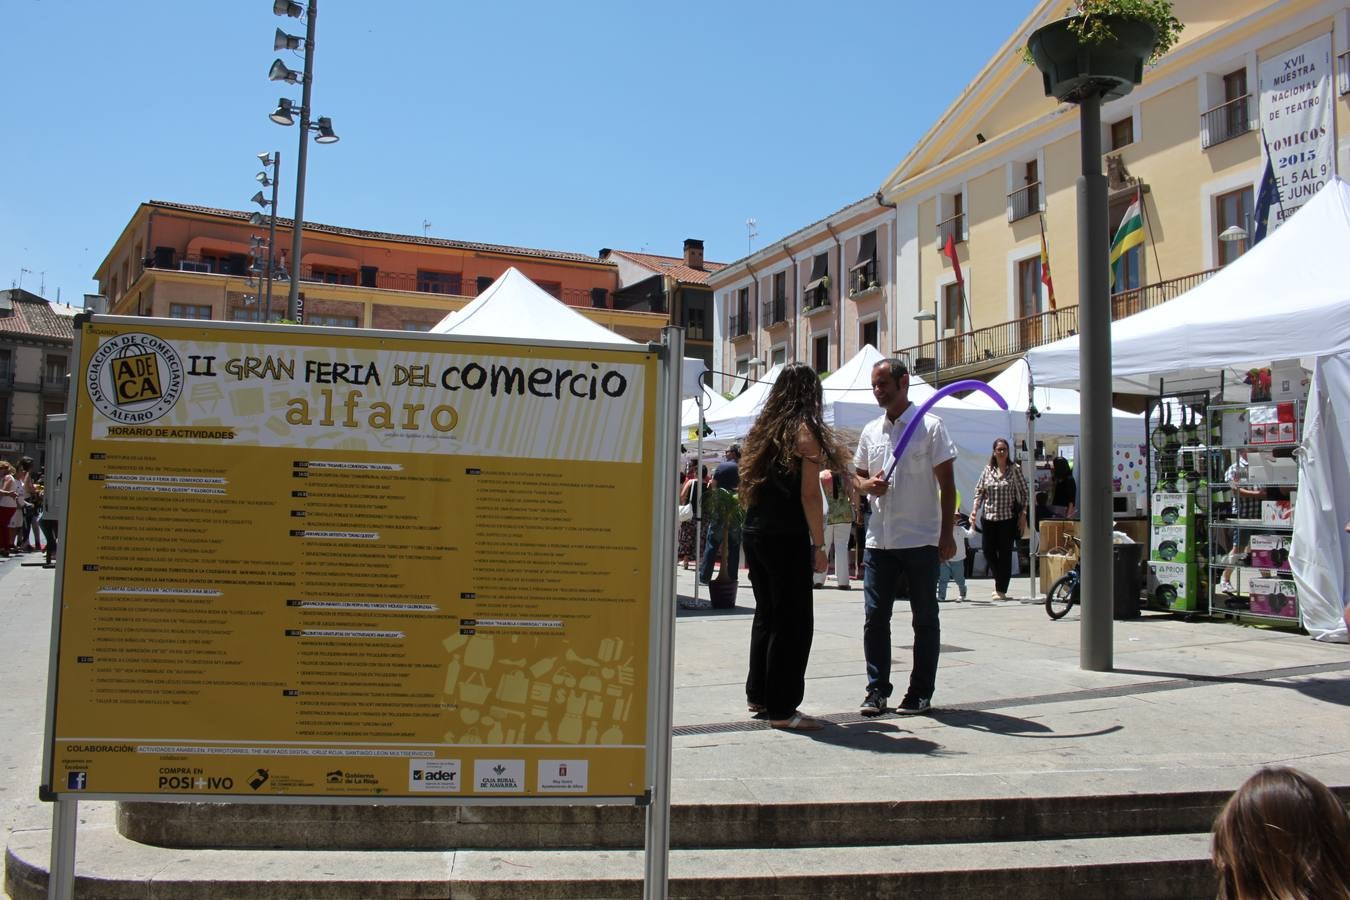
point(1029, 473)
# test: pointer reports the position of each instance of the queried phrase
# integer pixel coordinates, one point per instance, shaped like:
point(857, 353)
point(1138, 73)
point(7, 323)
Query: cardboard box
point(1270, 551)
point(1234, 427)
point(1277, 512)
point(1171, 543)
point(1283, 471)
point(1173, 509)
point(1274, 597)
point(1288, 381)
point(1172, 585)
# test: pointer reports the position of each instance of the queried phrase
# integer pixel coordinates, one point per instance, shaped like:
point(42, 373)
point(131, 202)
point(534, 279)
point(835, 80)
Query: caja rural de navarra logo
point(135, 378)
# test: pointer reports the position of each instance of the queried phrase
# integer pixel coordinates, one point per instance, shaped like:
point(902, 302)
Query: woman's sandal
point(798, 722)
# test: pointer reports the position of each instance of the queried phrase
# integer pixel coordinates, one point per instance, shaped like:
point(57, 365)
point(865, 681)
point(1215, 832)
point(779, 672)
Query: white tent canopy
point(513, 306)
point(732, 422)
point(712, 403)
point(1285, 298)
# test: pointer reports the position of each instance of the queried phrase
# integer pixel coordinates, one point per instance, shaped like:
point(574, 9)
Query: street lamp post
point(282, 115)
point(927, 316)
point(274, 162)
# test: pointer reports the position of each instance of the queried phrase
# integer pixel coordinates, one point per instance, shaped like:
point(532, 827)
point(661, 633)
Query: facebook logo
point(77, 781)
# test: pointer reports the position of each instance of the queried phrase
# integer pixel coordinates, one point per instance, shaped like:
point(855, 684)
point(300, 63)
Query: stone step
point(1175, 867)
point(698, 825)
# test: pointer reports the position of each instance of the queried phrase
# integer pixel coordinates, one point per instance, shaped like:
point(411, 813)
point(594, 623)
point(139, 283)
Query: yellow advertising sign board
point(328, 564)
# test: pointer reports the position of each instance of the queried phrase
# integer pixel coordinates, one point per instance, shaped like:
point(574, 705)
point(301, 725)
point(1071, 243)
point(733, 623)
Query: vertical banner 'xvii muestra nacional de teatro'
point(334, 564)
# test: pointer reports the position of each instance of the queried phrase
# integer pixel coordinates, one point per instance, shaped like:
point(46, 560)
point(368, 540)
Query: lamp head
point(284, 41)
point(1233, 233)
point(325, 135)
point(265, 158)
point(262, 201)
point(287, 8)
point(263, 179)
point(284, 113)
point(279, 72)
point(256, 218)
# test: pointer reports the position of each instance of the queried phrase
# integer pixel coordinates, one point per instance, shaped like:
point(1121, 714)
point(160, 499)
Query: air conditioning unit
point(188, 265)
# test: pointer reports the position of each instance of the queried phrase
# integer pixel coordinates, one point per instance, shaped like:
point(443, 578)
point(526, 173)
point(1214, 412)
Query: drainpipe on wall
point(796, 338)
point(839, 306)
point(894, 301)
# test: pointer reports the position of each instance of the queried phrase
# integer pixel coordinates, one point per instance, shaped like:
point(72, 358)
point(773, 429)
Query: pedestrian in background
point(908, 534)
point(954, 569)
point(1282, 836)
point(10, 514)
point(727, 477)
point(1000, 507)
point(784, 534)
point(836, 489)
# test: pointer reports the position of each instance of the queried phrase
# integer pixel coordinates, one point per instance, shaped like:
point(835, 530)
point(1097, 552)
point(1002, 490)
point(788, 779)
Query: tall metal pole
point(293, 301)
point(272, 235)
point(1094, 348)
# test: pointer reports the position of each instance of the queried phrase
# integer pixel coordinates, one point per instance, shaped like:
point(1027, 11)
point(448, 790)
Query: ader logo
point(134, 378)
point(438, 775)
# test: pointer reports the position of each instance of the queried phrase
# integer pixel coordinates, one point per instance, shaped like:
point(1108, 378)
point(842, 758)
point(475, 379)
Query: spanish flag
point(1129, 235)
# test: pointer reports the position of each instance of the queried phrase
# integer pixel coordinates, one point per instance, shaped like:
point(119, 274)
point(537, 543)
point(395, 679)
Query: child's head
point(1282, 834)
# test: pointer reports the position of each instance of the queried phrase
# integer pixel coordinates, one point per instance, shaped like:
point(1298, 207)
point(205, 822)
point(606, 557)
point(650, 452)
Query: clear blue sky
point(568, 126)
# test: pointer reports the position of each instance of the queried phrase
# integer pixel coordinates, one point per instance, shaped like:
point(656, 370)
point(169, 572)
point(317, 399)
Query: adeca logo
point(439, 775)
point(134, 378)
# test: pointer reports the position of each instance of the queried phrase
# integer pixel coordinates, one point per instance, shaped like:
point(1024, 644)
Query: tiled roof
point(33, 316)
point(673, 266)
point(313, 227)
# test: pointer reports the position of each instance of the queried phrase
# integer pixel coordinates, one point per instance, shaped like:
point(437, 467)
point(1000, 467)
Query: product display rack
point(1178, 478)
point(1249, 574)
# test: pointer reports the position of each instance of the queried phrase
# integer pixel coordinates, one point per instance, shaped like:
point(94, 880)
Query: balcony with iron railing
point(954, 228)
point(1226, 121)
point(739, 326)
point(775, 311)
point(1343, 72)
point(863, 277)
point(443, 284)
point(55, 384)
point(1024, 202)
point(991, 347)
point(816, 299)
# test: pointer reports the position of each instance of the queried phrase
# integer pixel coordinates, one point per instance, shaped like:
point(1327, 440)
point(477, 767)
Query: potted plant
point(722, 510)
point(1101, 47)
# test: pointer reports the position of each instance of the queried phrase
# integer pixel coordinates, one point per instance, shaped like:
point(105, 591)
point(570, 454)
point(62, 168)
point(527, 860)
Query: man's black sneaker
point(913, 706)
point(873, 704)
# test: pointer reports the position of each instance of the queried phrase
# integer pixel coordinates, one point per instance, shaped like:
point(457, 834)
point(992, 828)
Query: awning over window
point(820, 266)
point(867, 249)
point(814, 284)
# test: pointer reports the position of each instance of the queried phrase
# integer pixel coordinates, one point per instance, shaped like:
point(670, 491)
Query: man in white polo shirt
point(909, 532)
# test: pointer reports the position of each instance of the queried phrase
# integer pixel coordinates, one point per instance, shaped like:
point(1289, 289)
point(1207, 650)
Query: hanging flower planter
point(1073, 67)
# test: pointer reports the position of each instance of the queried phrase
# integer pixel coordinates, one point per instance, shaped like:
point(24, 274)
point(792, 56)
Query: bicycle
point(1063, 594)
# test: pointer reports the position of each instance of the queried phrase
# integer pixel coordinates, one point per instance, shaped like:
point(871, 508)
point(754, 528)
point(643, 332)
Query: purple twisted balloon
point(953, 388)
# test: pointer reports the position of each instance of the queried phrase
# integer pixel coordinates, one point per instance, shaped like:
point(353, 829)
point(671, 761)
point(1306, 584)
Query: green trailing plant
point(723, 508)
point(1089, 23)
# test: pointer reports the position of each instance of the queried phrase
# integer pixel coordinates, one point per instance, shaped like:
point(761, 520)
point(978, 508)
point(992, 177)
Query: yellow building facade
point(998, 171)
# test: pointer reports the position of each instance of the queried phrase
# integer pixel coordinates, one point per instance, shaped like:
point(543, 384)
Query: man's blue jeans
point(881, 571)
point(711, 545)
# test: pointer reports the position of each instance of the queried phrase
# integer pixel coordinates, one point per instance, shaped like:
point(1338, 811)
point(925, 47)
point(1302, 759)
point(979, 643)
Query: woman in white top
point(11, 513)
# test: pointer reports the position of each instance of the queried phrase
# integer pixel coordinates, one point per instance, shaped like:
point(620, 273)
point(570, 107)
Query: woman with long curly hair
point(784, 540)
point(1282, 836)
